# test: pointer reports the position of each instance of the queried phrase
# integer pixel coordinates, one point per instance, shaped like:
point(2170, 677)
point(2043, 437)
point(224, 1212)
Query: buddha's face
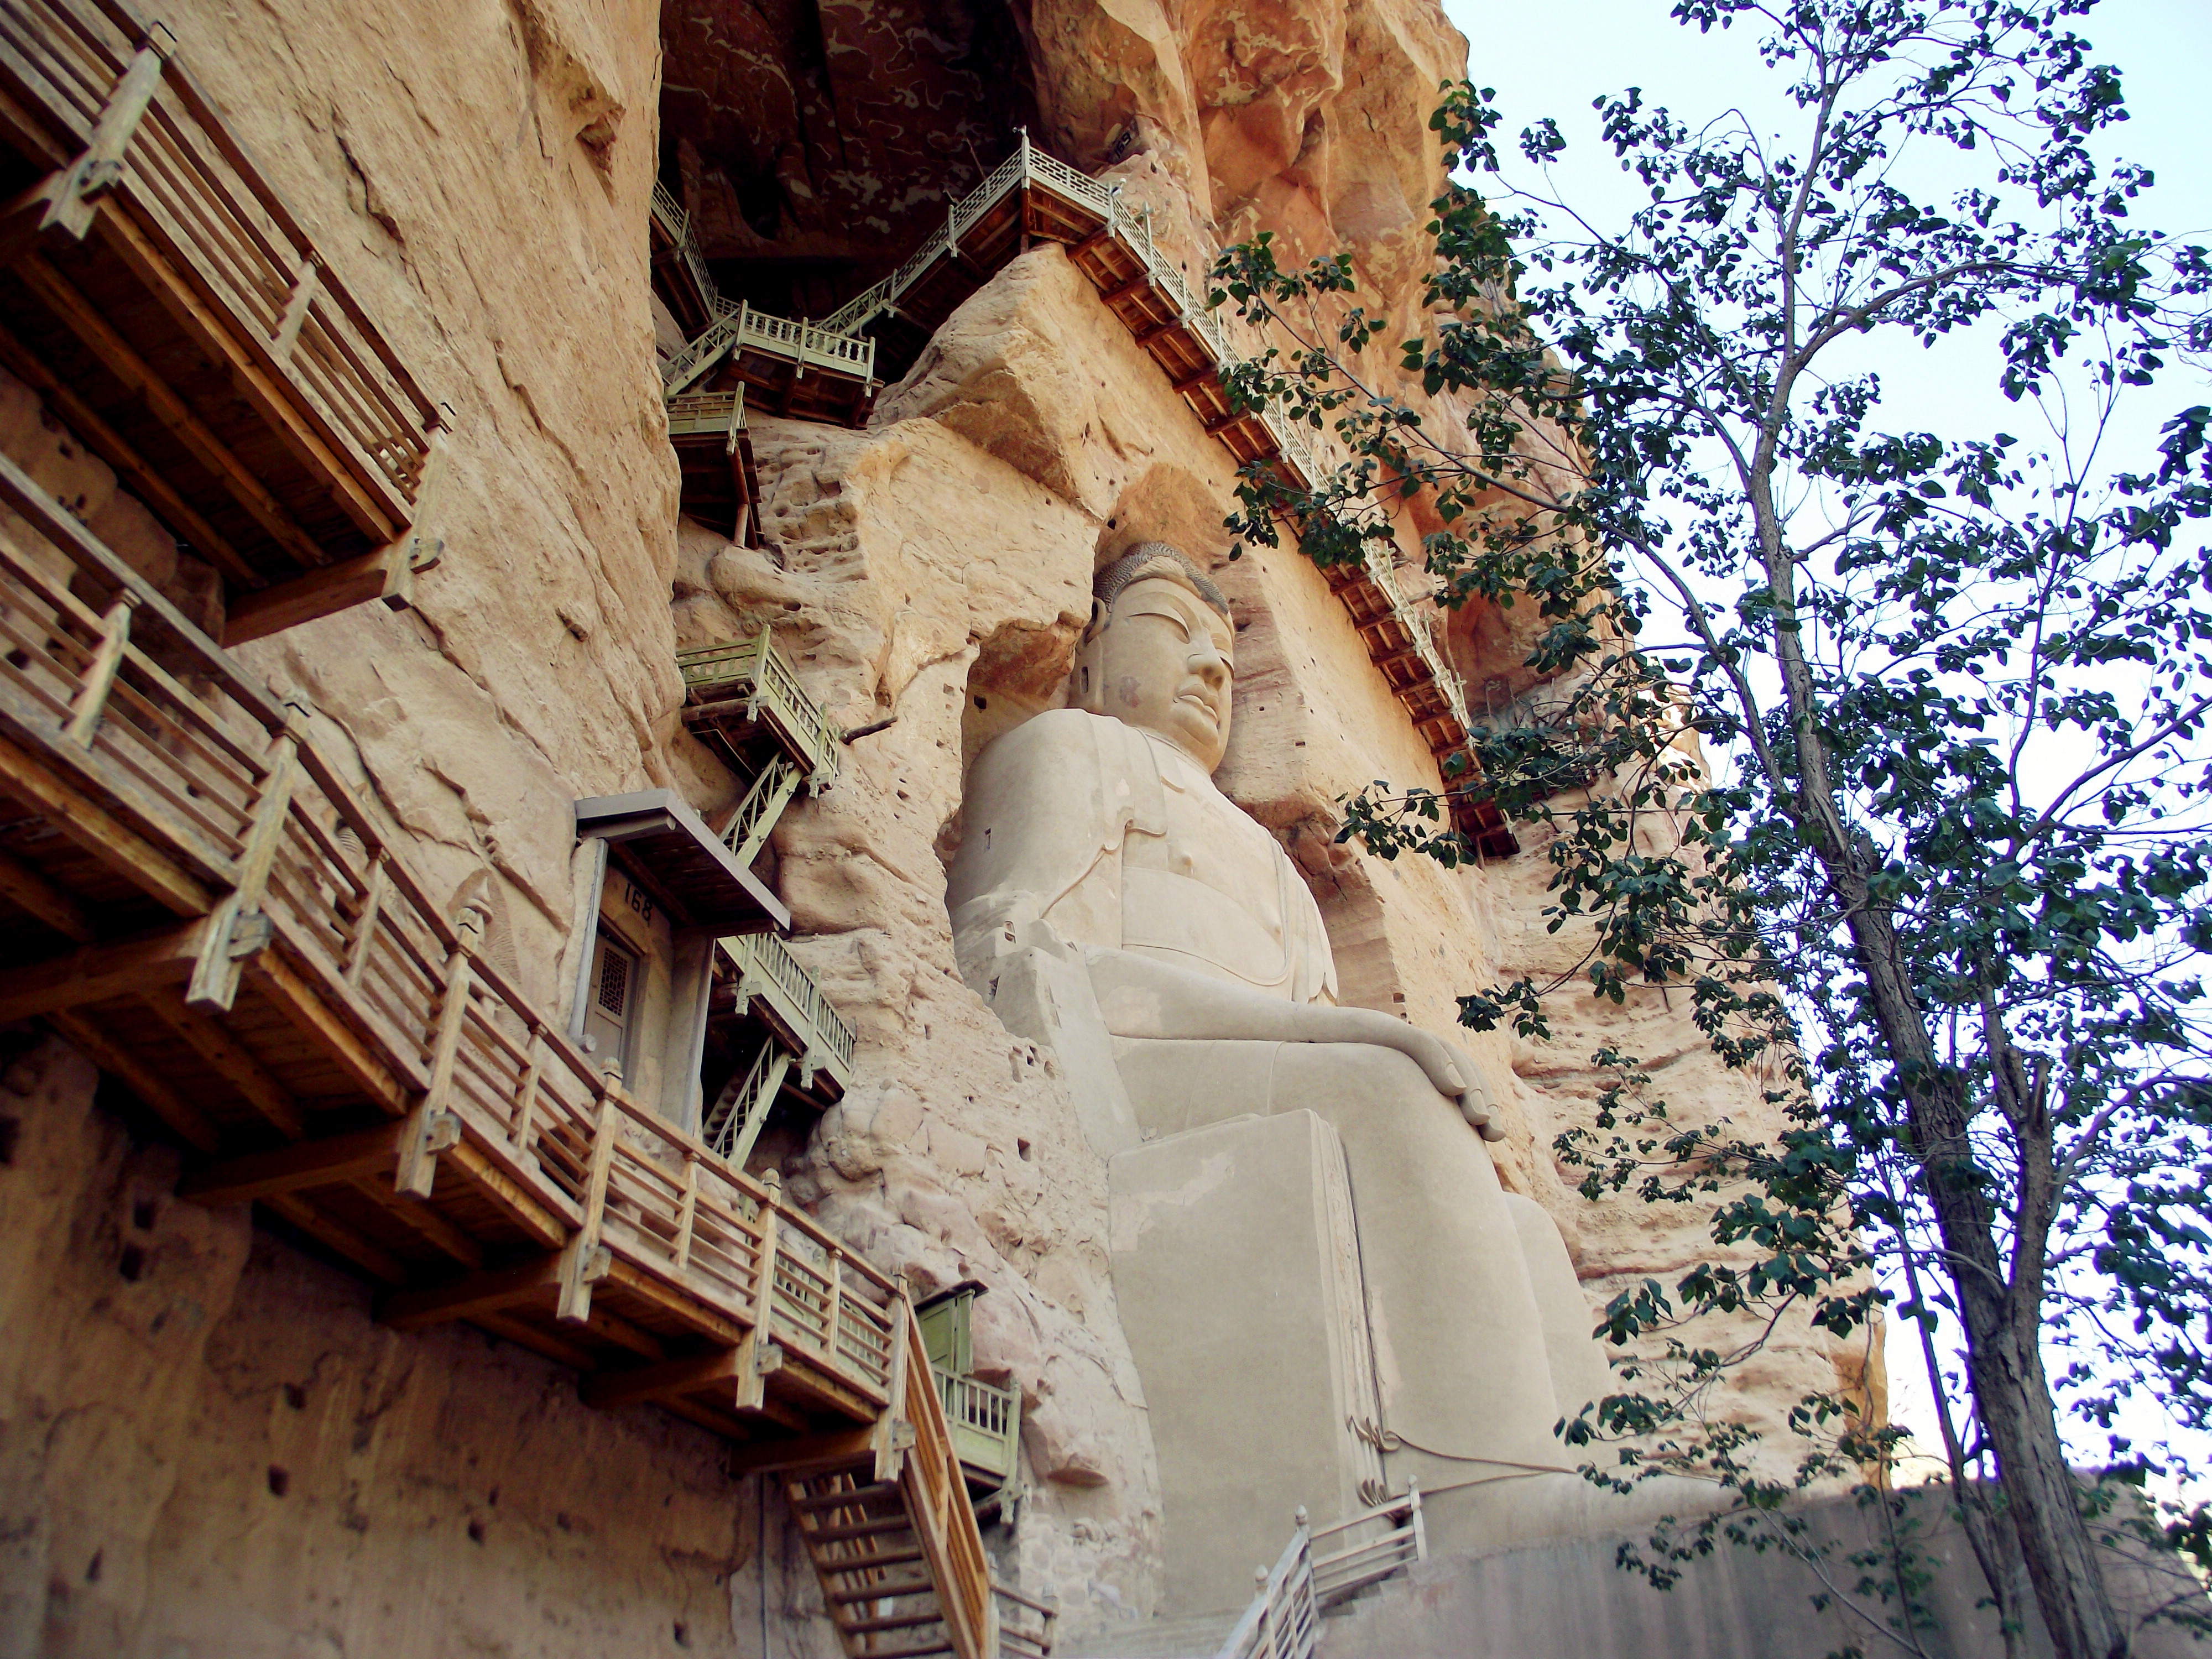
point(1163, 664)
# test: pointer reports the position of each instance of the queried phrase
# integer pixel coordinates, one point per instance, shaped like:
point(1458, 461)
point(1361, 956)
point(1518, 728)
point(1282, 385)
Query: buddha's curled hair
point(1148, 559)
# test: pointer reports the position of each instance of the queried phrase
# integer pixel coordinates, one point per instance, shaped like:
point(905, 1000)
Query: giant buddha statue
point(1313, 1255)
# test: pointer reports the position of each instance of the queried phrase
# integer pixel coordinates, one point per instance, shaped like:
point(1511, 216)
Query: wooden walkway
point(162, 299)
point(1033, 197)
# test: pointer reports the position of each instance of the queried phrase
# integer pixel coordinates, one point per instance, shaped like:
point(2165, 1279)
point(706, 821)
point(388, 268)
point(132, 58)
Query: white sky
point(1554, 56)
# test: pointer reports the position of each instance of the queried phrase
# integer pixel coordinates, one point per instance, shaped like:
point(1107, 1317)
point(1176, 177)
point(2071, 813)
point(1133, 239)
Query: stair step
point(851, 1496)
point(857, 1529)
point(895, 1621)
point(862, 1563)
point(910, 1653)
point(886, 1592)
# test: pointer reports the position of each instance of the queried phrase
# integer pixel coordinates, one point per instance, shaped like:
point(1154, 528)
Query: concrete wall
point(1572, 1600)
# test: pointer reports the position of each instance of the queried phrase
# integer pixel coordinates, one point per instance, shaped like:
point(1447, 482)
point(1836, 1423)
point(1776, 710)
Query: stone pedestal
point(1236, 1266)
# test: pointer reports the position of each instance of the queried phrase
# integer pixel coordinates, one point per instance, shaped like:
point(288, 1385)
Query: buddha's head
point(1157, 654)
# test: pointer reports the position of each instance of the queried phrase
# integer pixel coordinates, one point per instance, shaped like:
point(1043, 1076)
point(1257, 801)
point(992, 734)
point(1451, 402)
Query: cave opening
point(815, 142)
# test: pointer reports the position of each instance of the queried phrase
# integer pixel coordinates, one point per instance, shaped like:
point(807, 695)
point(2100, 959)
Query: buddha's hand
point(1449, 1070)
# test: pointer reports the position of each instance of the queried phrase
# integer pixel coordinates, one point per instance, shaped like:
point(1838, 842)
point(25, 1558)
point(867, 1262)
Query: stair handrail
point(1283, 1621)
point(938, 1503)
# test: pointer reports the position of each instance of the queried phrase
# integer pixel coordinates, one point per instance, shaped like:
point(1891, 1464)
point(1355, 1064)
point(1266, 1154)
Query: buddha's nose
point(1209, 665)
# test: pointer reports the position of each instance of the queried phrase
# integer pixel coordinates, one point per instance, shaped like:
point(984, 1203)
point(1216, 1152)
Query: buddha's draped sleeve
point(1047, 807)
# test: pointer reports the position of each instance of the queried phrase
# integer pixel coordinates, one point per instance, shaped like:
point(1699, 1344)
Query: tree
point(1951, 863)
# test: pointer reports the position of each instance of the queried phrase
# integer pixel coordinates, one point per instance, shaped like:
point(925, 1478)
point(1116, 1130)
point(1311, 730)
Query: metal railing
point(193, 199)
point(753, 672)
point(767, 968)
point(235, 815)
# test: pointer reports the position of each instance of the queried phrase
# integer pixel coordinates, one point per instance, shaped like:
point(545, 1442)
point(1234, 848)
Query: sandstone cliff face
point(481, 173)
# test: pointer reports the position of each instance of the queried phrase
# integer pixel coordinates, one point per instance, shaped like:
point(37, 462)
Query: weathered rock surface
point(481, 174)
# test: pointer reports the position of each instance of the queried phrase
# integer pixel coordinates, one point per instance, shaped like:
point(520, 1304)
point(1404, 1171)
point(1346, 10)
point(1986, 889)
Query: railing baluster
point(91, 699)
point(526, 1106)
point(364, 925)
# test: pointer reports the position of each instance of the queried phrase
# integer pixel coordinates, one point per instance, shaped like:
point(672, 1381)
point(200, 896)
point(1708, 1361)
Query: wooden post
point(584, 1260)
point(836, 1306)
point(762, 1355)
point(91, 699)
point(888, 1450)
point(214, 984)
point(426, 1134)
point(76, 195)
point(1420, 1527)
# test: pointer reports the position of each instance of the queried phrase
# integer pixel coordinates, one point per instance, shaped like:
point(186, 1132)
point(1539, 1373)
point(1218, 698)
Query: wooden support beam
point(379, 575)
point(1128, 285)
point(610, 1328)
point(1152, 331)
point(497, 1187)
point(139, 475)
point(684, 1308)
point(809, 1452)
point(417, 1308)
point(83, 319)
point(141, 1078)
point(316, 1019)
point(1097, 239)
point(541, 1342)
point(1190, 383)
point(371, 1258)
point(264, 1175)
point(34, 779)
point(97, 973)
point(611, 1389)
point(419, 1218)
point(234, 1062)
point(25, 888)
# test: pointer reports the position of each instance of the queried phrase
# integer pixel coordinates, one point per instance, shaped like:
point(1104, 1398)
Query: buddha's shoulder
point(1064, 734)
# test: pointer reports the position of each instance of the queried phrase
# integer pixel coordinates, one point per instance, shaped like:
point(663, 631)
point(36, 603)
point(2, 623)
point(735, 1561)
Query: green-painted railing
point(986, 1422)
point(750, 671)
point(768, 968)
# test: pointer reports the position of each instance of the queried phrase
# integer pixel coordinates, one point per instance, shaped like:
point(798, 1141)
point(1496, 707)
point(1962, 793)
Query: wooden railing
point(1025, 1623)
point(1283, 1621)
point(148, 140)
point(766, 967)
point(739, 327)
point(986, 1422)
point(937, 1504)
point(752, 672)
point(1317, 1570)
point(707, 414)
point(676, 225)
point(221, 808)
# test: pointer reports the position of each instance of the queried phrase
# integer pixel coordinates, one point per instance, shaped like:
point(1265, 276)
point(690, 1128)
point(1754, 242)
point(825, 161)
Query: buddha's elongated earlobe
point(1086, 686)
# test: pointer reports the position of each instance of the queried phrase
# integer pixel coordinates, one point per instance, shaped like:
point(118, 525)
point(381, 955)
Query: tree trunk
point(2012, 1395)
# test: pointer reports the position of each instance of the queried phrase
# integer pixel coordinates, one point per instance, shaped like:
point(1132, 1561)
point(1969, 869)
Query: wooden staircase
point(885, 1518)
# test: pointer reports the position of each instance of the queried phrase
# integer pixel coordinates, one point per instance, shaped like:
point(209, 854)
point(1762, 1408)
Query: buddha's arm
point(1141, 997)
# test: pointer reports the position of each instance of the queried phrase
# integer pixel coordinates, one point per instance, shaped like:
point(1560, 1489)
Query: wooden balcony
point(720, 484)
point(191, 894)
point(743, 701)
point(796, 368)
point(162, 299)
